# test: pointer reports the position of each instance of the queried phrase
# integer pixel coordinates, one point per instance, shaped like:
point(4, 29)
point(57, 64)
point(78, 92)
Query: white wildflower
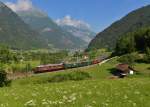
point(64, 97)
point(60, 102)
point(134, 104)
point(125, 97)
point(137, 92)
point(89, 93)
point(94, 102)
point(88, 106)
point(30, 103)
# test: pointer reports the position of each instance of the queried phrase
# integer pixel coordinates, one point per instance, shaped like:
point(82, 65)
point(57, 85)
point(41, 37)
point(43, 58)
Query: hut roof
point(123, 67)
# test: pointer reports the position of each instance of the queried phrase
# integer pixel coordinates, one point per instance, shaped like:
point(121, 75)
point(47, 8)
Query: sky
point(99, 14)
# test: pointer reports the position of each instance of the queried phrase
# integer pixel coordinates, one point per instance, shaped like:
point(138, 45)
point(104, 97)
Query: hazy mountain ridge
point(85, 35)
point(49, 30)
point(78, 28)
point(15, 33)
point(55, 35)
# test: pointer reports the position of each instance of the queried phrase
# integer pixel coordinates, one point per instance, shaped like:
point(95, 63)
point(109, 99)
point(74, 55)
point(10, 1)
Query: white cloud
point(47, 30)
point(67, 20)
point(20, 5)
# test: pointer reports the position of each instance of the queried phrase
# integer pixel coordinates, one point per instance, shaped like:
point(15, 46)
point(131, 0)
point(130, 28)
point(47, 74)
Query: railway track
point(19, 75)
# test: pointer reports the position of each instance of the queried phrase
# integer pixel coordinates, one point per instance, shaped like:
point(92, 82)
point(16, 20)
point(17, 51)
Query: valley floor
point(99, 91)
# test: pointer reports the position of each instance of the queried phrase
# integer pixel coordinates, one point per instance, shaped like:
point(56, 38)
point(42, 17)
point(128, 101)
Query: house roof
point(123, 67)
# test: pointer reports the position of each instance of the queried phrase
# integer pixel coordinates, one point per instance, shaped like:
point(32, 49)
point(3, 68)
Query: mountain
point(55, 36)
point(15, 33)
point(77, 28)
point(131, 22)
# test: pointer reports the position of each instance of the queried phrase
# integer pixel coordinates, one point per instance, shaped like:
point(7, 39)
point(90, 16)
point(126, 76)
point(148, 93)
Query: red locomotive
point(48, 68)
point(96, 61)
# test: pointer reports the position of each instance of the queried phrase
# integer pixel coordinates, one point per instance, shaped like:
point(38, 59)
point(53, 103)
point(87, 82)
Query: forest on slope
point(131, 22)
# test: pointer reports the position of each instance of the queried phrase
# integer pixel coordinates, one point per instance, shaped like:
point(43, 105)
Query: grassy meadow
point(98, 91)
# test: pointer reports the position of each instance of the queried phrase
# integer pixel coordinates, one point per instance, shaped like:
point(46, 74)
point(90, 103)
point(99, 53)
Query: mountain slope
point(133, 21)
point(77, 28)
point(15, 33)
point(55, 36)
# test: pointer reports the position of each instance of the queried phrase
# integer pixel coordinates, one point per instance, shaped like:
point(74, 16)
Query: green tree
point(3, 77)
point(147, 55)
point(135, 41)
point(129, 59)
point(28, 67)
point(5, 55)
point(125, 45)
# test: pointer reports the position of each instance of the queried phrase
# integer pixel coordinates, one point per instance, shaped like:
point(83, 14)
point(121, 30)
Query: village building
point(124, 70)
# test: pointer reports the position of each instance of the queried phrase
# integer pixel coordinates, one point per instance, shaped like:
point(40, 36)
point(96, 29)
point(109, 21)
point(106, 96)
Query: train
point(64, 66)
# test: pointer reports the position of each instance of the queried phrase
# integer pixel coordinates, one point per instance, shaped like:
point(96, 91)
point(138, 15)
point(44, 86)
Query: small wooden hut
point(124, 70)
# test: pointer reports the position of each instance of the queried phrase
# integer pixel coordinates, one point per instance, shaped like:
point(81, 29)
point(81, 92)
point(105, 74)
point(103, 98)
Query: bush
point(3, 78)
point(75, 76)
point(147, 56)
point(129, 59)
point(28, 67)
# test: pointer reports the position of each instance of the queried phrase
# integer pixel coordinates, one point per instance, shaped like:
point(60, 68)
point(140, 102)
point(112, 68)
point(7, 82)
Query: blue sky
point(98, 13)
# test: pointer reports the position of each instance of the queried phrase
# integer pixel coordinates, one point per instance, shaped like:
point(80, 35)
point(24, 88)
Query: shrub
point(3, 78)
point(28, 67)
point(147, 56)
point(129, 59)
point(75, 76)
